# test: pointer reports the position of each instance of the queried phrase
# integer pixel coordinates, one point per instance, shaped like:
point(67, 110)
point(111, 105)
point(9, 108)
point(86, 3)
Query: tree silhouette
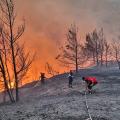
point(17, 58)
point(71, 53)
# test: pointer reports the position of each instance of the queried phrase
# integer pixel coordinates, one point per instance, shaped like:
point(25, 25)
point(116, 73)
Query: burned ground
point(55, 101)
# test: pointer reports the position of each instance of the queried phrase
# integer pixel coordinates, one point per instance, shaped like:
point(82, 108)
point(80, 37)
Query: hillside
point(55, 101)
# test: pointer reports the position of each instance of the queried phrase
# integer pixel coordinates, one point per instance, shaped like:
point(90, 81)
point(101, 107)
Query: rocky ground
point(55, 101)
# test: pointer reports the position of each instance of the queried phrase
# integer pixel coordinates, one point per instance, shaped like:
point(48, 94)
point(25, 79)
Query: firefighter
point(70, 78)
point(90, 82)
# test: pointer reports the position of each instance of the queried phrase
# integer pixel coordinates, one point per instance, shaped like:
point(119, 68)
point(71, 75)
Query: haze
point(48, 20)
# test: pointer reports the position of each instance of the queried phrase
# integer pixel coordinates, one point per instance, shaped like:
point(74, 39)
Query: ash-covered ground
point(55, 101)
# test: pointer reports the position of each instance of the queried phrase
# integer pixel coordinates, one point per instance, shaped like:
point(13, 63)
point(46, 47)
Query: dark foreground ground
point(55, 101)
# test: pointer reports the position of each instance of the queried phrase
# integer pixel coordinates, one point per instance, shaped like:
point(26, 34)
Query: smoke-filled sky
point(48, 20)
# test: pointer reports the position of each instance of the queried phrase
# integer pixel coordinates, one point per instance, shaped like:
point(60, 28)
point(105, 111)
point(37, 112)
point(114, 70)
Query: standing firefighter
point(42, 78)
point(90, 82)
point(70, 78)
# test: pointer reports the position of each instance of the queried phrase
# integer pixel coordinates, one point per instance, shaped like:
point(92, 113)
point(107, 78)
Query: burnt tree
point(19, 59)
point(71, 52)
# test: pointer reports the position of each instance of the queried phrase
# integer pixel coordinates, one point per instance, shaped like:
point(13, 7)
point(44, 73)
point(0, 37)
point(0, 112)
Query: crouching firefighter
point(90, 82)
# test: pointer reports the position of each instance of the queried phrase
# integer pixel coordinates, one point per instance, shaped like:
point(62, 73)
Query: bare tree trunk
point(106, 61)
point(106, 58)
point(5, 64)
point(101, 59)
point(118, 62)
point(8, 91)
point(15, 73)
point(76, 59)
point(96, 50)
point(107, 46)
point(12, 49)
point(4, 96)
point(97, 58)
point(5, 80)
point(94, 60)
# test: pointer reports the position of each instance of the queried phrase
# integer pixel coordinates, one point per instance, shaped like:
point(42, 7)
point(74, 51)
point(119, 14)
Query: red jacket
point(92, 79)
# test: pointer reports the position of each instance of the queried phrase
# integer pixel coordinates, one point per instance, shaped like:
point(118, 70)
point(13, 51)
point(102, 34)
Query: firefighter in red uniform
point(90, 82)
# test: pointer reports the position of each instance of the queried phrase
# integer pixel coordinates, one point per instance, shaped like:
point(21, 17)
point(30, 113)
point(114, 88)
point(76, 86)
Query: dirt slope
point(55, 101)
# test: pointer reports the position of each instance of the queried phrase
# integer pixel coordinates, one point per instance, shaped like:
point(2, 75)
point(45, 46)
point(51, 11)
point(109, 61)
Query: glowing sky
point(48, 20)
